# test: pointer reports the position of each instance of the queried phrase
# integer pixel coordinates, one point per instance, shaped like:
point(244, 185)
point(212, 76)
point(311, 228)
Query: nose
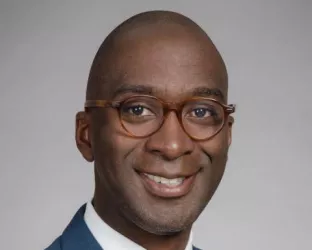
point(170, 141)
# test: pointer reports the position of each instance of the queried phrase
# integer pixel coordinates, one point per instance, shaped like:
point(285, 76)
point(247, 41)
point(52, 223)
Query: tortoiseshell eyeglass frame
point(167, 107)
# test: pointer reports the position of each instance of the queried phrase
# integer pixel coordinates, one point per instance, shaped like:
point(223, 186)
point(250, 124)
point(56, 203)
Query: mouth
point(167, 187)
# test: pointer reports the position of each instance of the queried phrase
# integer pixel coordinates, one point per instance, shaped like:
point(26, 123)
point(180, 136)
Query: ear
point(230, 125)
point(83, 132)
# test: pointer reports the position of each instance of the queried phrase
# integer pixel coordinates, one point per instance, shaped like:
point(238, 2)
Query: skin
point(168, 56)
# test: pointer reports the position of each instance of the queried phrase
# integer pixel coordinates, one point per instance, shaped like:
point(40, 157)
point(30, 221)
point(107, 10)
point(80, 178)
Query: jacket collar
point(77, 235)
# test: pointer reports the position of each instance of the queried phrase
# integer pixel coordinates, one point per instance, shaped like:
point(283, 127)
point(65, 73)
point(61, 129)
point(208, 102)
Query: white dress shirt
point(108, 238)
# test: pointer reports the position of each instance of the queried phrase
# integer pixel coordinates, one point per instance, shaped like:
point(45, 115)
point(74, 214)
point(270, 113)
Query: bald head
point(157, 34)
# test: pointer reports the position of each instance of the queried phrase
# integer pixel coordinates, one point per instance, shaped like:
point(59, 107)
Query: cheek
point(217, 146)
point(217, 149)
point(108, 136)
point(114, 148)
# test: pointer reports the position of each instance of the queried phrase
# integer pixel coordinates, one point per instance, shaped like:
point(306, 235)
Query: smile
point(167, 188)
point(162, 180)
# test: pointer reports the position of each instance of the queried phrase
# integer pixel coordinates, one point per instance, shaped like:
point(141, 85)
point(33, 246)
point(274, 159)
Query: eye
point(201, 113)
point(137, 110)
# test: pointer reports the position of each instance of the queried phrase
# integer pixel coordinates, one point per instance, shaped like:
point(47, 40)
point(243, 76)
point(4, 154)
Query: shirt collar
point(108, 238)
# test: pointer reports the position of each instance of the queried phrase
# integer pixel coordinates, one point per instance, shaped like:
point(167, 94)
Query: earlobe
point(83, 140)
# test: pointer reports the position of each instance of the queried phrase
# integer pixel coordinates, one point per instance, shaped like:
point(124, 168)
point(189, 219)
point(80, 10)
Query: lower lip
point(164, 191)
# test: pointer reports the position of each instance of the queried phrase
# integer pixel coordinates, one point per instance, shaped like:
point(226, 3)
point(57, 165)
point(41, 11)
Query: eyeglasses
point(143, 115)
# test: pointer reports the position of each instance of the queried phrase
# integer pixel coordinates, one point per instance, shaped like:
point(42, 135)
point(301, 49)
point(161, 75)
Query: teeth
point(162, 180)
point(155, 178)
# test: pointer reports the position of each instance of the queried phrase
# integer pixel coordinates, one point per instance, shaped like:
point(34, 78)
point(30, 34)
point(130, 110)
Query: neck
point(111, 216)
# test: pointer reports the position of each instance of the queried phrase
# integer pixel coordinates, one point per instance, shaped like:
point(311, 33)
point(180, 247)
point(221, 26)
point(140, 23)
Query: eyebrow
point(148, 90)
point(135, 89)
point(207, 92)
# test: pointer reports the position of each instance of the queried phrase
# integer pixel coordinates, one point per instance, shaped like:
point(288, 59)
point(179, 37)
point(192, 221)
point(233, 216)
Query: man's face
point(171, 68)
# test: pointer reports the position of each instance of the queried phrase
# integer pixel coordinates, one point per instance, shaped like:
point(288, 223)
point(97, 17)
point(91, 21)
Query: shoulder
point(195, 248)
point(56, 245)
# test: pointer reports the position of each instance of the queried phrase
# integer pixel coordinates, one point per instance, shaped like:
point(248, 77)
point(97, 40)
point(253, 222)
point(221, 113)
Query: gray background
point(46, 48)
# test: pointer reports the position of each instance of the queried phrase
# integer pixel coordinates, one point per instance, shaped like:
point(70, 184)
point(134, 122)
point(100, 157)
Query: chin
point(168, 227)
point(162, 220)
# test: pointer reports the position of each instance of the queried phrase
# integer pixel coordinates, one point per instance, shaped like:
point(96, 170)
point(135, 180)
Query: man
point(158, 128)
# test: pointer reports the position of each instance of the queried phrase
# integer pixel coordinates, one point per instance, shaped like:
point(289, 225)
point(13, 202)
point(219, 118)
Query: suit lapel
point(77, 234)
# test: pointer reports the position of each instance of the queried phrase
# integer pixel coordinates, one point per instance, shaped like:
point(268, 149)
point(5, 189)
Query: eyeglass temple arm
point(100, 104)
point(230, 108)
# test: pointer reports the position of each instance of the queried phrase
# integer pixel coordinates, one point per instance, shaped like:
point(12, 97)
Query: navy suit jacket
point(77, 236)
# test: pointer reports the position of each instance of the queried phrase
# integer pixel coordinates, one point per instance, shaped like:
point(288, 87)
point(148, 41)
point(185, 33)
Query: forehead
point(172, 65)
